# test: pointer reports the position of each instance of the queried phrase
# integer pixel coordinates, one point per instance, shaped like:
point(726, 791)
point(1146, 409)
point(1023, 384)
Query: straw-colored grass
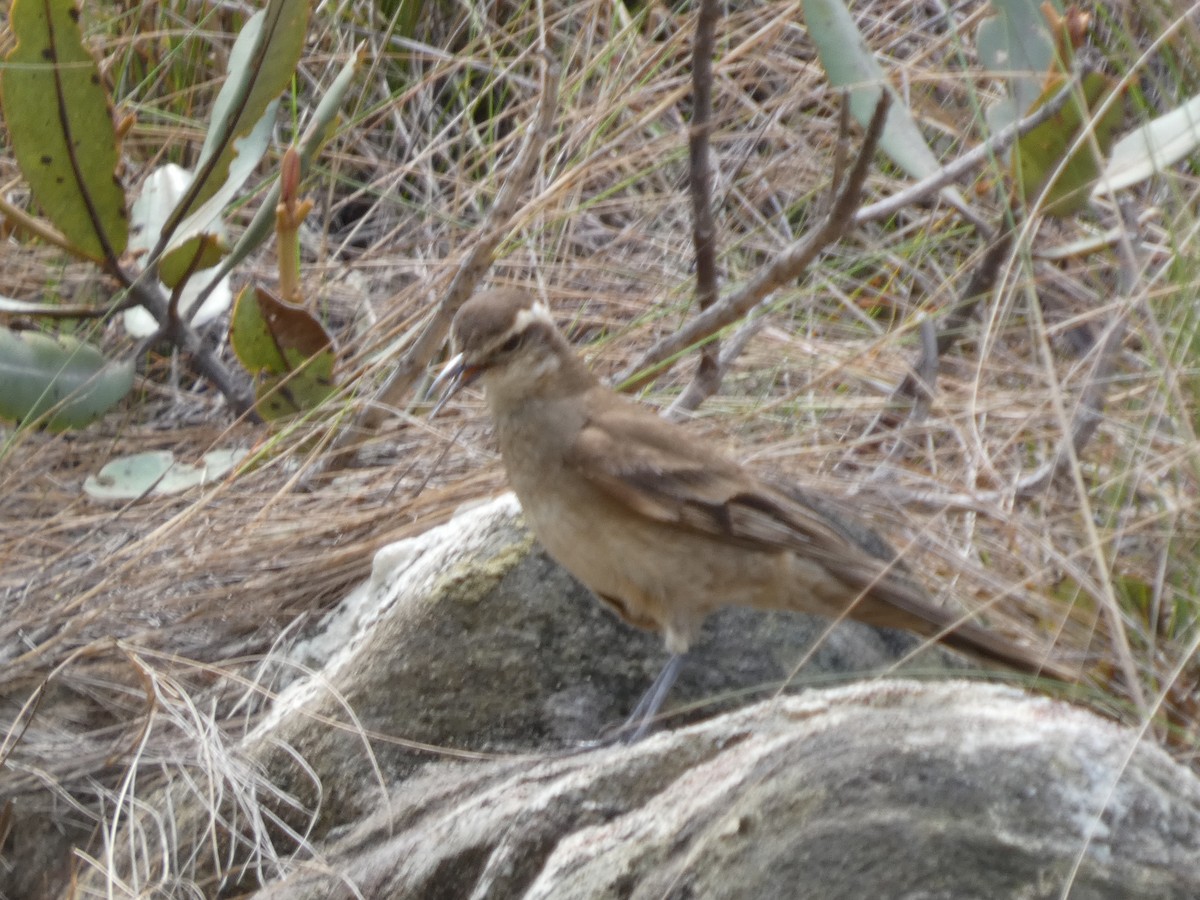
point(112, 615)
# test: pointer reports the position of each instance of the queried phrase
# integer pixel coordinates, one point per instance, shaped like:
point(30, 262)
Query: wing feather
point(649, 469)
point(655, 473)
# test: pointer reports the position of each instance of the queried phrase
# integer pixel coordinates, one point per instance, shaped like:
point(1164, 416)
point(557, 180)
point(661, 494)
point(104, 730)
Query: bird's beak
point(454, 376)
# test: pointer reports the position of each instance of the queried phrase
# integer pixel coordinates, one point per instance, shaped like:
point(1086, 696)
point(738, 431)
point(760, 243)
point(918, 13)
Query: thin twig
point(923, 379)
point(1090, 407)
point(475, 264)
point(38, 228)
point(788, 266)
point(730, 351)
point(972, 159)
point(926, 369)
point(841, 148)
point(1086, 420)
point(707, 378)
point(983, 282)
point(1083, 424)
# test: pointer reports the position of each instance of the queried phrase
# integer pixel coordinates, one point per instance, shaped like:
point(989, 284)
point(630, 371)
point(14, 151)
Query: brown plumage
point(662, 528)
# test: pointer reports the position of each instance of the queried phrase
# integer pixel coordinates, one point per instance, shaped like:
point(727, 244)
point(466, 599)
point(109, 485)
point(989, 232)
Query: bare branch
point(237, 392)
point(478, 259)
point(707, 378)
point(972, 159)
point(786, 267)
point(729, 353)
point(841, 147)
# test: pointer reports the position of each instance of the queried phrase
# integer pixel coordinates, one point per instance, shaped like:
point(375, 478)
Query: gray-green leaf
point(64, 377)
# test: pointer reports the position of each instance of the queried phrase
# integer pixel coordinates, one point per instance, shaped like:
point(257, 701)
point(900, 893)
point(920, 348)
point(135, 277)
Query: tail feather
point(991, 647)
point(895, 601)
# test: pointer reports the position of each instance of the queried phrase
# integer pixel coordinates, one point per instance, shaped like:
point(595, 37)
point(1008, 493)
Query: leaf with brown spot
point(286, 348)
point(60, 121)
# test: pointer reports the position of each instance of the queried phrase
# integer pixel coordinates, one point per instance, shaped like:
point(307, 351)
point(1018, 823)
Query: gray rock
point(899, 790)
point(470, 638)
point(468, 643)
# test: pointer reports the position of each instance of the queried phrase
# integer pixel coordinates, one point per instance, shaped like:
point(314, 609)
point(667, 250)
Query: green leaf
point(64, 377)
point(288, 351)
point(60, 121)
point(261, 66)
point(1047, 158)
point(314, 138)
point(157, 472)
point(849, 63)
point(319, 129)
point(250, 336)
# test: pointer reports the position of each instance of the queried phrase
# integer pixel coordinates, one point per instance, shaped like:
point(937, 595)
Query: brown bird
point(660, 527)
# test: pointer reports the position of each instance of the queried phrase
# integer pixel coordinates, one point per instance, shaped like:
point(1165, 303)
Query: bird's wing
point(664, 473)
point(650, 466)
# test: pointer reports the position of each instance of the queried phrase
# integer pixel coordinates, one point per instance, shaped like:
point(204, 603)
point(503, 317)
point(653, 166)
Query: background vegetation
point(172, 604)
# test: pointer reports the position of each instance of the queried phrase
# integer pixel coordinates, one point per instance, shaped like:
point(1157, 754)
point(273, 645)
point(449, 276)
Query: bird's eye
point(512, 343)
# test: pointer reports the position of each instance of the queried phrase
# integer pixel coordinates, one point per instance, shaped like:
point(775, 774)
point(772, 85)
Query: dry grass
point(103, 606)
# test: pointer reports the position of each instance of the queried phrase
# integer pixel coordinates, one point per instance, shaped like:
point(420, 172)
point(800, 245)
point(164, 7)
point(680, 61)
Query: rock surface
point(899, 789)
point(435, 751)
point(469, 638)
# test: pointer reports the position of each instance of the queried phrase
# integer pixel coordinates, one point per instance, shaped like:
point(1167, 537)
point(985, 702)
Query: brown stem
point(707, 378)
point(786, 267)
point(471, 270)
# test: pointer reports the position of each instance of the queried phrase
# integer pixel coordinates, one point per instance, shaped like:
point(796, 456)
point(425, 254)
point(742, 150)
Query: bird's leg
point(647, 708)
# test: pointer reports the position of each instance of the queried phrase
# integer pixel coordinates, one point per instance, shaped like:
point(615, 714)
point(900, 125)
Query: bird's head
point(507, 340)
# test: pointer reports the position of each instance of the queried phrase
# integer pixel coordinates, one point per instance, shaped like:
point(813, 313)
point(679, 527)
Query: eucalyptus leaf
point(158, 472)
point(849, 63)
point(314, 138)
point(61, 126)
point(1156, 146)
point(130, 476)
point(63, 377)
point(248, 153)
point(261, 67)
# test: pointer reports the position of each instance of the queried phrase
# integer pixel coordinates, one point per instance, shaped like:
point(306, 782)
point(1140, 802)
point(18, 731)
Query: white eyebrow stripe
point(539, 312)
